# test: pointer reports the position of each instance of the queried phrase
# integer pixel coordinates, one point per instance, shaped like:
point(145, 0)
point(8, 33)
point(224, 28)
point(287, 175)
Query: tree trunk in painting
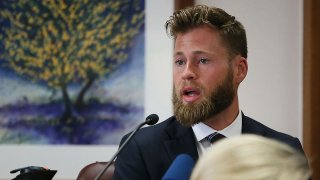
point(67, 114)
point(80, 99)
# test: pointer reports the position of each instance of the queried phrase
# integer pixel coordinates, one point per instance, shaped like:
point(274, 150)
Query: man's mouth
point(190, 94)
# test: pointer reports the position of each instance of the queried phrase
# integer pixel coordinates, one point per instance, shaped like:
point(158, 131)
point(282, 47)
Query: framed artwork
point(71, 72)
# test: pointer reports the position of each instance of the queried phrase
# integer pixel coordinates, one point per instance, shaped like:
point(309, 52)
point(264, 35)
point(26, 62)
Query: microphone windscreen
point(152, 119)
point(180, 169)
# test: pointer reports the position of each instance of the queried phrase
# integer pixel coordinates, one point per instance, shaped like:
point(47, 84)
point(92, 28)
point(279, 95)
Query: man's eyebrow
point(200, 52)
point(194, 52)
point(178, 53)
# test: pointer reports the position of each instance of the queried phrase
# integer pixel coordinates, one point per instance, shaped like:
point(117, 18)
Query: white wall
point(271, 93)
point(159, 50)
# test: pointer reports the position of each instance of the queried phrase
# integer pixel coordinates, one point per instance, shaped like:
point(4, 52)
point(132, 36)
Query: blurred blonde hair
point(251, 157)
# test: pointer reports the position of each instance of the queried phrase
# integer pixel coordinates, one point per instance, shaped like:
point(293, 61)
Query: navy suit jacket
point(152, 150)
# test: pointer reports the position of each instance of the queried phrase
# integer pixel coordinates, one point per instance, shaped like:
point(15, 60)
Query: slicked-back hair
point(232, 32)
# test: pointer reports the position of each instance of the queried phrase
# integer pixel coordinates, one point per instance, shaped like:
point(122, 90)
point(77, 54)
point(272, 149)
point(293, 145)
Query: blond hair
point(251, 157)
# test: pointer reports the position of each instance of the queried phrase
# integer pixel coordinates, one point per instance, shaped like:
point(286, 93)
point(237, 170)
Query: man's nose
point(189, 72)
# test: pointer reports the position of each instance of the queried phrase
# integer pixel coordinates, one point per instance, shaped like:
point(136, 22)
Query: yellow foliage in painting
point(55, 61)
point(45, 75)
point(62, 5)
point(65, 36)
point(59, 45)
point(80, 26)
point(66, 68)
point(99, 8)
point(115, 5)
point(11, 52)
point(134, 19)
point(52, 28)
point(116, 39)
point(44, 32)
point(62, 42)
point(18, 16)
point(90, 33)
point(35, 9)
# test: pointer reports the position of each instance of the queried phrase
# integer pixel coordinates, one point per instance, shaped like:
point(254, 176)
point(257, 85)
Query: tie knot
point(214, 137)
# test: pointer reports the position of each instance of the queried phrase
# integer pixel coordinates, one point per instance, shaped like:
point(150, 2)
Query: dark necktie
point(214, 137)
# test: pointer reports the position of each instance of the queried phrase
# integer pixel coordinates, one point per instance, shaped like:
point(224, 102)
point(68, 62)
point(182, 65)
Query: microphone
point(180, 169)
point(150, 120)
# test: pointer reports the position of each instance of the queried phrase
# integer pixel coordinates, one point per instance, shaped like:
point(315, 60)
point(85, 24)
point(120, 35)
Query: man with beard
point(209, 63)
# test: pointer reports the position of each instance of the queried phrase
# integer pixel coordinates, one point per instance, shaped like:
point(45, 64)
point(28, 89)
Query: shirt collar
point(201, 130)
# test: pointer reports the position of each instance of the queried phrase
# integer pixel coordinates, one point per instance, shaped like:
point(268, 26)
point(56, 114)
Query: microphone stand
point(120, 148)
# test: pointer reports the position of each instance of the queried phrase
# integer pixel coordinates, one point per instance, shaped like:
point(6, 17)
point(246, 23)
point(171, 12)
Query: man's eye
point(203, 61)
point(179, 62)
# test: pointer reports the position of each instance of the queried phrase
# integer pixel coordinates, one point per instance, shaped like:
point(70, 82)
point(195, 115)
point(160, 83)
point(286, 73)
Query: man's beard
point(220, 98)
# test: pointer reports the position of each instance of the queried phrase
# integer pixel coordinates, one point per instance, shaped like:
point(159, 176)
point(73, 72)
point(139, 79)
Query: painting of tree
point(67, 47)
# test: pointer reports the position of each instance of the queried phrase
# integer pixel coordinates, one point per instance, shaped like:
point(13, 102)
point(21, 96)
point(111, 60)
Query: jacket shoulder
point(152, 133)
point(252, 126)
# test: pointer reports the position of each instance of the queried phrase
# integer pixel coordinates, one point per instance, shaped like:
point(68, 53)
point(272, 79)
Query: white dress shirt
point(201, 131)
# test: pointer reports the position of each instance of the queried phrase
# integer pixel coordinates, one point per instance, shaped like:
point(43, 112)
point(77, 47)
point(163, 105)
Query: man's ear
point(240, 69)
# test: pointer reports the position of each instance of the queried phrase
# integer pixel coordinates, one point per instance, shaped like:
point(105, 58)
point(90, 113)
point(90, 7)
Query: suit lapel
point(181, 140)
